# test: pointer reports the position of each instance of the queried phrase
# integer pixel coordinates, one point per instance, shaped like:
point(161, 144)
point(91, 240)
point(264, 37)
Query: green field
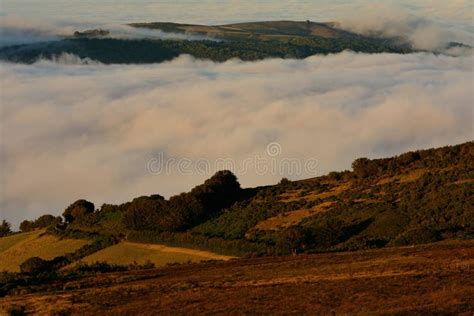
point(160, 255)
point(17, 248)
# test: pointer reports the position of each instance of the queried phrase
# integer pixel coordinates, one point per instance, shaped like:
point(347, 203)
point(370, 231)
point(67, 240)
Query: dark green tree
point(78, 209)
point(5, 228)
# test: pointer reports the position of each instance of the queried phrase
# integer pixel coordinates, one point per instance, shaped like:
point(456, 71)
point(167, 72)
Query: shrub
point(34, 265)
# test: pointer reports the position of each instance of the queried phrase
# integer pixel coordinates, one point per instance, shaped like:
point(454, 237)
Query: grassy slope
point(261, 30)
point(19, 247)
point(422, 280)
point(127, 253)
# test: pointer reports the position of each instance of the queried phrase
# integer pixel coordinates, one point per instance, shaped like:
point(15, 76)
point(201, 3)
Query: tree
point(364, 167)
point(144, 213)
point(34, 265)
point(27, 226)
point(292, 240)
point(41, 222)
point(78, 209)
point(5, 228)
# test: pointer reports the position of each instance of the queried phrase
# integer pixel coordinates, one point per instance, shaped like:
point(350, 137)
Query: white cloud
point(88, 131)
point(395, 21)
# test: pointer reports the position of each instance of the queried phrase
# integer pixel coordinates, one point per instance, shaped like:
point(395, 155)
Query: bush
point(34, 265)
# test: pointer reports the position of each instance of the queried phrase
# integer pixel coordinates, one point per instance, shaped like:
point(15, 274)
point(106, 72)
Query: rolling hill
point(15, 249)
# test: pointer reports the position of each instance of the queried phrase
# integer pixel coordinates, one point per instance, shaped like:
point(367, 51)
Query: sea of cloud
point(75, 129)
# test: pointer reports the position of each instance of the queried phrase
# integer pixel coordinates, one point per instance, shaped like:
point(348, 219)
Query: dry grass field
point(17, 248)
point(422, 280)
point(160, 255)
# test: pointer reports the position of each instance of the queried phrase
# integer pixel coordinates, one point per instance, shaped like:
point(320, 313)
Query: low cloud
point(89, 131)
point(397, 22)
point(16, 30)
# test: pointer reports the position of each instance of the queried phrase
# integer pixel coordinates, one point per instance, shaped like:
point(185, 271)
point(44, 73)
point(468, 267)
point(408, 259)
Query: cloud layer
point(89, 131)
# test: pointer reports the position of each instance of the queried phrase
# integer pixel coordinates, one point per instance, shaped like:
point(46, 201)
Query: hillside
point(15, 249)
point(436, 279)
point(246, 41)
point(417, 197)
point(100, 260)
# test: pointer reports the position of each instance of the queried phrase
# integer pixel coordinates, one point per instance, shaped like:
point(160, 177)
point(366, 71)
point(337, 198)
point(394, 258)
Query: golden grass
point(17, 248)
point(10, 241)
point(294, 195)
point(333, 192)
point(404, 178)
point(290, 196)
point(291, 218)
point(128, 252)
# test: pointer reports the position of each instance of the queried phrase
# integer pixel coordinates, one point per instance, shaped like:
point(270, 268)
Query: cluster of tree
point(432, 158)
point(41, 222)
point(185, 210)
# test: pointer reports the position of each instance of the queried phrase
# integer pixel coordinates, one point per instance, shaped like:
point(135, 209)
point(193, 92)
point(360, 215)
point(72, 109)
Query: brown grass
point(404, 178)
point(422, 280)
